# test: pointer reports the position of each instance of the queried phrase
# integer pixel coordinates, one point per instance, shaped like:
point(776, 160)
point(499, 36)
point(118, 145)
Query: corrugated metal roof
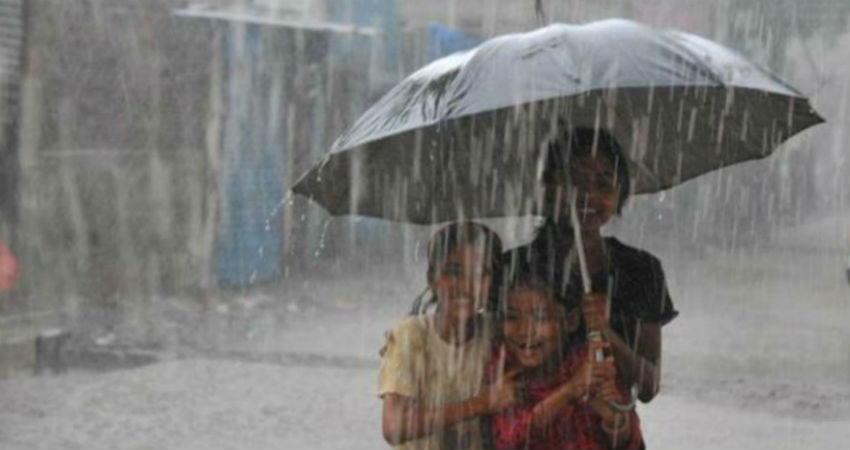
point(252, 16)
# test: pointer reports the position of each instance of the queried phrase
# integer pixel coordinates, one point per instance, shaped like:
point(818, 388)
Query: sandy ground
point(195, 404)
point(759, 358)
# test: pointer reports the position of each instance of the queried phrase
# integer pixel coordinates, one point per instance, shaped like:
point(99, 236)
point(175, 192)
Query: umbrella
point(465, 136)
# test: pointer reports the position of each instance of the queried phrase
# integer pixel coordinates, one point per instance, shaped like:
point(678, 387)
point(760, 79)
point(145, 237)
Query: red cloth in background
point(8, 268)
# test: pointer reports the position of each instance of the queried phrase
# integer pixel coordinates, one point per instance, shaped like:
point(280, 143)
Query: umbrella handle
point(596, 336)
point(579, 245)
point(625, 407)
point(593, 335)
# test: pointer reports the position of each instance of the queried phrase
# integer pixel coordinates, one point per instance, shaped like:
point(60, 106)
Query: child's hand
point(504, 393)
point(592, 373)
point(614, 423)
point(594, 307)
point(604, 379)
point(604, 372)
point(606, 391)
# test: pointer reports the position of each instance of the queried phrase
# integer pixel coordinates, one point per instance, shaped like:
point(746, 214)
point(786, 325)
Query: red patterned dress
point(577, 428)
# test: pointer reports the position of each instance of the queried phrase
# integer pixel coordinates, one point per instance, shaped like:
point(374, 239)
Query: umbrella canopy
point(466, 135)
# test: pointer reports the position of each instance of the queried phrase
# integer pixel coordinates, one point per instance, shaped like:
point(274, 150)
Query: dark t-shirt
point(635, 280)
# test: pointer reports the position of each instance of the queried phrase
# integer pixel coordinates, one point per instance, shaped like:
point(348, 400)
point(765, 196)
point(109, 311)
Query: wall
point(114, 163)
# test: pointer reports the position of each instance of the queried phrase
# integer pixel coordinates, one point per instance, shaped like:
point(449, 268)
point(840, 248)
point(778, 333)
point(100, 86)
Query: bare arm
point(404, 420)
point(552, 406)
point(590, 374)
point(619, 427)
point(642, 366)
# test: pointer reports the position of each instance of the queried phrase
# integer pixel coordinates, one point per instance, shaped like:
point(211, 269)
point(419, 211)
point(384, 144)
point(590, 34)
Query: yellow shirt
point(420, 365)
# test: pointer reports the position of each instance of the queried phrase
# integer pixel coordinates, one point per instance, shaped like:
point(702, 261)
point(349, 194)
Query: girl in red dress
point(564, 390)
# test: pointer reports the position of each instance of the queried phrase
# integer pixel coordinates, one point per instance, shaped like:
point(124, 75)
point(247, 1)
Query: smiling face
point(461, 281)
point(591, 161)
point(595, 178)
point(534, 326)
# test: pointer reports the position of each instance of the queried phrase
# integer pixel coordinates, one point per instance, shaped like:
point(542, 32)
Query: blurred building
point(12, 41)
point(283, 86)
point(145, 146)
point(13, 26)
point(111, 193)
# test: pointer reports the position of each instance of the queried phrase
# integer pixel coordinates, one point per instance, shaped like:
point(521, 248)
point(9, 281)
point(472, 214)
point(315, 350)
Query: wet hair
point(452, 236)
point(533, 275)
point(581, 141)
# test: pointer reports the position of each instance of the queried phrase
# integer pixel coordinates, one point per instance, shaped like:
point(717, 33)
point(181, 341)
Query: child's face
point(534, 326)
point(594, 177)
point(462, 281)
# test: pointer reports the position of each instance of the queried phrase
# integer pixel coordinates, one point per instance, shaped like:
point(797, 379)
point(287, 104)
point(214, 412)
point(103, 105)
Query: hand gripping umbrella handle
point(629, 405)
point(593, 335)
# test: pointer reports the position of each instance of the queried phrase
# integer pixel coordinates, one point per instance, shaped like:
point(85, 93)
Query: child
point(631, 302)
point(432, 366)
point(563, 387)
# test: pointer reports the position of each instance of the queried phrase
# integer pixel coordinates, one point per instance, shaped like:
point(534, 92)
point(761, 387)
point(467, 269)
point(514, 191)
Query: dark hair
point(586, 142)
point(534, 274)
point(450, 237)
